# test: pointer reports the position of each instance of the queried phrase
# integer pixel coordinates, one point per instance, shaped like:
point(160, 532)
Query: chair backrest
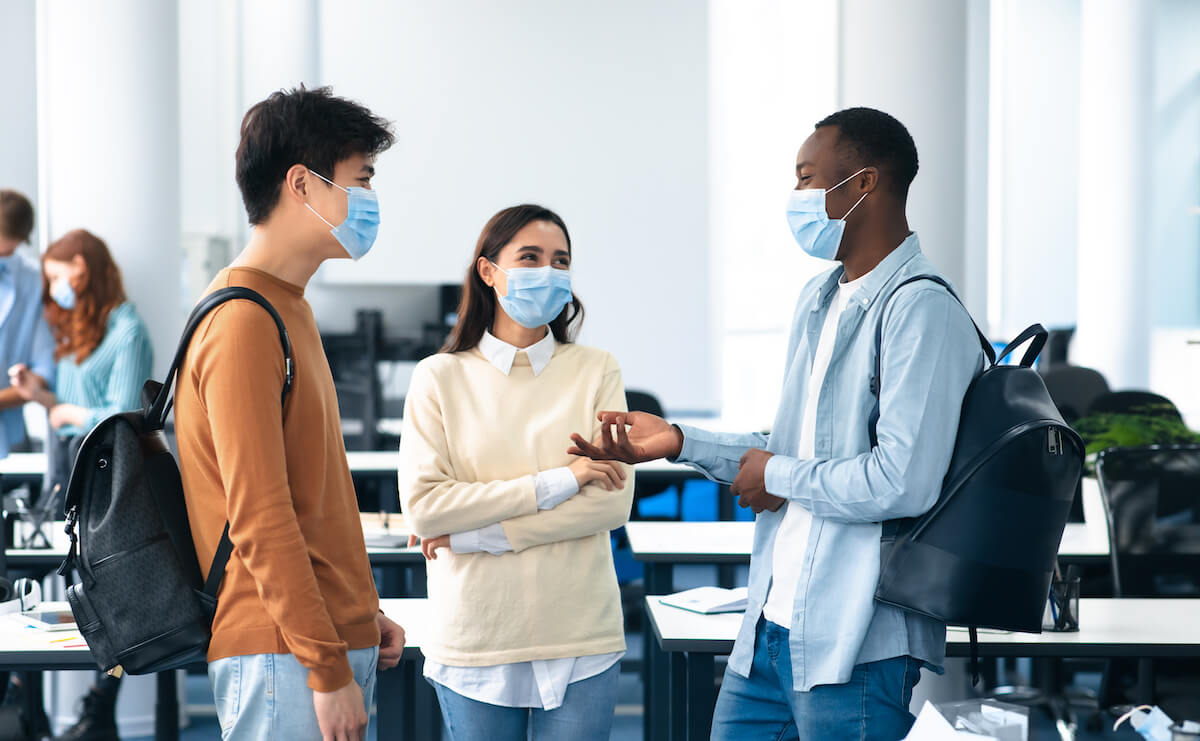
point(1135, 402)
point(643, 401)
point(1151, 497)
point(1073, 389)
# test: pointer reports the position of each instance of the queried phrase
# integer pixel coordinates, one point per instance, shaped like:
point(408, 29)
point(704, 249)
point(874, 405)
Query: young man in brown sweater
point(298, 633)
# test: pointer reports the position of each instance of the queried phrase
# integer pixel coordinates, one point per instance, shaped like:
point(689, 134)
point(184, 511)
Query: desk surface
point(1110, 627)
point(361, 462)
point(24, 647)
point(731, 542)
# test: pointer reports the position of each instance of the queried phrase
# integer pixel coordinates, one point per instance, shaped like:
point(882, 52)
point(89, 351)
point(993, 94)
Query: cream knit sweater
point(474, 439)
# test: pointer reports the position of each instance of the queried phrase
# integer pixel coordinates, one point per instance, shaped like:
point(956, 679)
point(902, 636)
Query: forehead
point(543, 234)
point(820, 148)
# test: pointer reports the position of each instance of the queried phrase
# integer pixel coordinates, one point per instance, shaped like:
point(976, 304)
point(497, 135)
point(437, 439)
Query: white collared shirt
point(501, 354)
point(526, 684)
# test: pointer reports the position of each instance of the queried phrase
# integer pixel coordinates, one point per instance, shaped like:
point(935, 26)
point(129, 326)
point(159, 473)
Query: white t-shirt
point(791, 540)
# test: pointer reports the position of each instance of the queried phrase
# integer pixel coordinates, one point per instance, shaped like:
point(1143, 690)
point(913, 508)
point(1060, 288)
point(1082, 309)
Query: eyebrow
point(370, 170)
point(531, 248)
point(805, 163)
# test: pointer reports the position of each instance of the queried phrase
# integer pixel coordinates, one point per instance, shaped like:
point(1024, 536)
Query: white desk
point(1140, 628)
point(407, 707)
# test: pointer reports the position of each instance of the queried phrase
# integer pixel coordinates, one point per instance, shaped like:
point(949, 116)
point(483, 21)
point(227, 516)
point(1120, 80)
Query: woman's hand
point(647, 438)
point(63, 415)
point(606, 473)
point(429, 546)
point(24, 381)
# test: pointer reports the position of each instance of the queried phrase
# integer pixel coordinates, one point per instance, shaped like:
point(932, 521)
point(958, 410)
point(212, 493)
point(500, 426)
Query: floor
point(627, 725)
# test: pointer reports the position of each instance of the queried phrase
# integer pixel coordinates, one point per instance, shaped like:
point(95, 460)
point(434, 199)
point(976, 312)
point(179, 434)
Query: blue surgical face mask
point(1151, 723)
point(816, 233)
point(536, 296)
point(357, 233)
point(63, 294)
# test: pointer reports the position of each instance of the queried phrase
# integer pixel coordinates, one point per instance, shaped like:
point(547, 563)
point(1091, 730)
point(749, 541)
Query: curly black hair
point(867, 137)
point(313, 128)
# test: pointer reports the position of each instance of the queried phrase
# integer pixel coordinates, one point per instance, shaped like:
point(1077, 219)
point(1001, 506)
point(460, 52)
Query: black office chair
point(643, 401)
point(1151, 497)
point(1135, 402)
point(1073, 389)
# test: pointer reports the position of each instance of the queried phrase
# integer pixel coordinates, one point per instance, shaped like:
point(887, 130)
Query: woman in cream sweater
point(527, 630)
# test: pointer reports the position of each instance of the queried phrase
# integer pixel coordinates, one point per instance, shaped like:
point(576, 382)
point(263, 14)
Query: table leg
point(166, 710)
point(406, 707)
point(700, 699)
point(1144, 694)
point(724, 503)
point(659, 577)
point(677, 707)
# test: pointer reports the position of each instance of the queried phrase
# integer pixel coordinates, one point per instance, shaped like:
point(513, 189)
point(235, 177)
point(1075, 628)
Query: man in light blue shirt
point(25, 339)
point(817, 657)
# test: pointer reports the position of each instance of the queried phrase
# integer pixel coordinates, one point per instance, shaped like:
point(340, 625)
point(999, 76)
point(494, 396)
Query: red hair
point(98, 290)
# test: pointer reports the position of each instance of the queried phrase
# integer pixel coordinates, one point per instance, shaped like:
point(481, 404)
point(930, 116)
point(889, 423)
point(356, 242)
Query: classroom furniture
point(1138, 628)
point(1073, 388)
point(1145, 403)
point(405, 703)
point(1151, 496)
point(660, 546)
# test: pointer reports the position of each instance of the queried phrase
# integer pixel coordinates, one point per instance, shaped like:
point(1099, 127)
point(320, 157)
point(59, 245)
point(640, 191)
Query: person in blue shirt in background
point(104, 357)
point(25, 340)
point(816, 656)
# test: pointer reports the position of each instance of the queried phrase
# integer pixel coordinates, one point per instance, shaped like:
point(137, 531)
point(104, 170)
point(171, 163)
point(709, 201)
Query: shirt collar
point(881, 275)
point(501, 354)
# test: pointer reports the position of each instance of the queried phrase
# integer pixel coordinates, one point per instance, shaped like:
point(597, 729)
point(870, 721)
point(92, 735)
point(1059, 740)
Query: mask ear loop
point(322, 218)
point(860, 200)
point(1129, 715)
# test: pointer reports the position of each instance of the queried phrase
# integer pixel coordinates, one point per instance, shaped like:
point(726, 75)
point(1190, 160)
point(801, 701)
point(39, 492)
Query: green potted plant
point(1152, 424)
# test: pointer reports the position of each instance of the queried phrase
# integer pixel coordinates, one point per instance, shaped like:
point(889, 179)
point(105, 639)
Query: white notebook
point(708, 600)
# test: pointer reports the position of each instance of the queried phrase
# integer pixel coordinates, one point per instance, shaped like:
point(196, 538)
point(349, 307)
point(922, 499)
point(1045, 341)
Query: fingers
point(413, 540)
point(622, 433)
point(586, 449)
point(428, 550)
point(619, 469)
point(610, 473)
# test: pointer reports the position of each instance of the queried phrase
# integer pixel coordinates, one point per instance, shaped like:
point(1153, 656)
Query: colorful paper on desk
point(931, 726)
point(708, 600)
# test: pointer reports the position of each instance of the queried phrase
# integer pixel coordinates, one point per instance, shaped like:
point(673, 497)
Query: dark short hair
point(16, 215)
point(313, 128)
point(477, 308)
point(871, 138)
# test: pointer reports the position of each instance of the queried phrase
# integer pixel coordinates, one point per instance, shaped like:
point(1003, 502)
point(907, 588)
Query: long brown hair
point(477, 309)
point(98, 290)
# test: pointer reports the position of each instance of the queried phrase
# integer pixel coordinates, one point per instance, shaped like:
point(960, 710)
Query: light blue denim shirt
point(930, 354)
point(24, 337)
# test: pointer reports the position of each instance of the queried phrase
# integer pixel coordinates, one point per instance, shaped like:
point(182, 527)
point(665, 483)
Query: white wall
point(18, 122)
point(765, 93)
point(1035, 128)
point(598, 111)
point(909, 59)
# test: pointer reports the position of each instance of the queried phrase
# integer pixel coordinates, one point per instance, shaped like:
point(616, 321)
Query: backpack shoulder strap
point(157, 412)
point(876, 375)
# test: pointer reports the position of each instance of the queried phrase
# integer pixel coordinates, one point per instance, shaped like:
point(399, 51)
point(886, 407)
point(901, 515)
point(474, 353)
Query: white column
point(766, 91)
point(109, 119)
point(279, 47)
point(1114, 190)
point(18, 123)
point(909, 59)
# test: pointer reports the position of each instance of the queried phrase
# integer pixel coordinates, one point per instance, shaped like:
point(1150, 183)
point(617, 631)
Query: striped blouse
point(110, 379)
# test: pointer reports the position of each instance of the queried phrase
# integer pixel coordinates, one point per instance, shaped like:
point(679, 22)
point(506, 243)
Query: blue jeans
point(872, 706)
point(266, 696)
point(585, 715)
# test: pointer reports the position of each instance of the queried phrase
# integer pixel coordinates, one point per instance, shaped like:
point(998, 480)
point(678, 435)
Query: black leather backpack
point(984, 555)
point(141, 602)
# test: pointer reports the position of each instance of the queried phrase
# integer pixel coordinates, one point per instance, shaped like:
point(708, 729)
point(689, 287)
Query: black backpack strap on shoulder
point(216, 571)
point(876, 383)
point(156, 412)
